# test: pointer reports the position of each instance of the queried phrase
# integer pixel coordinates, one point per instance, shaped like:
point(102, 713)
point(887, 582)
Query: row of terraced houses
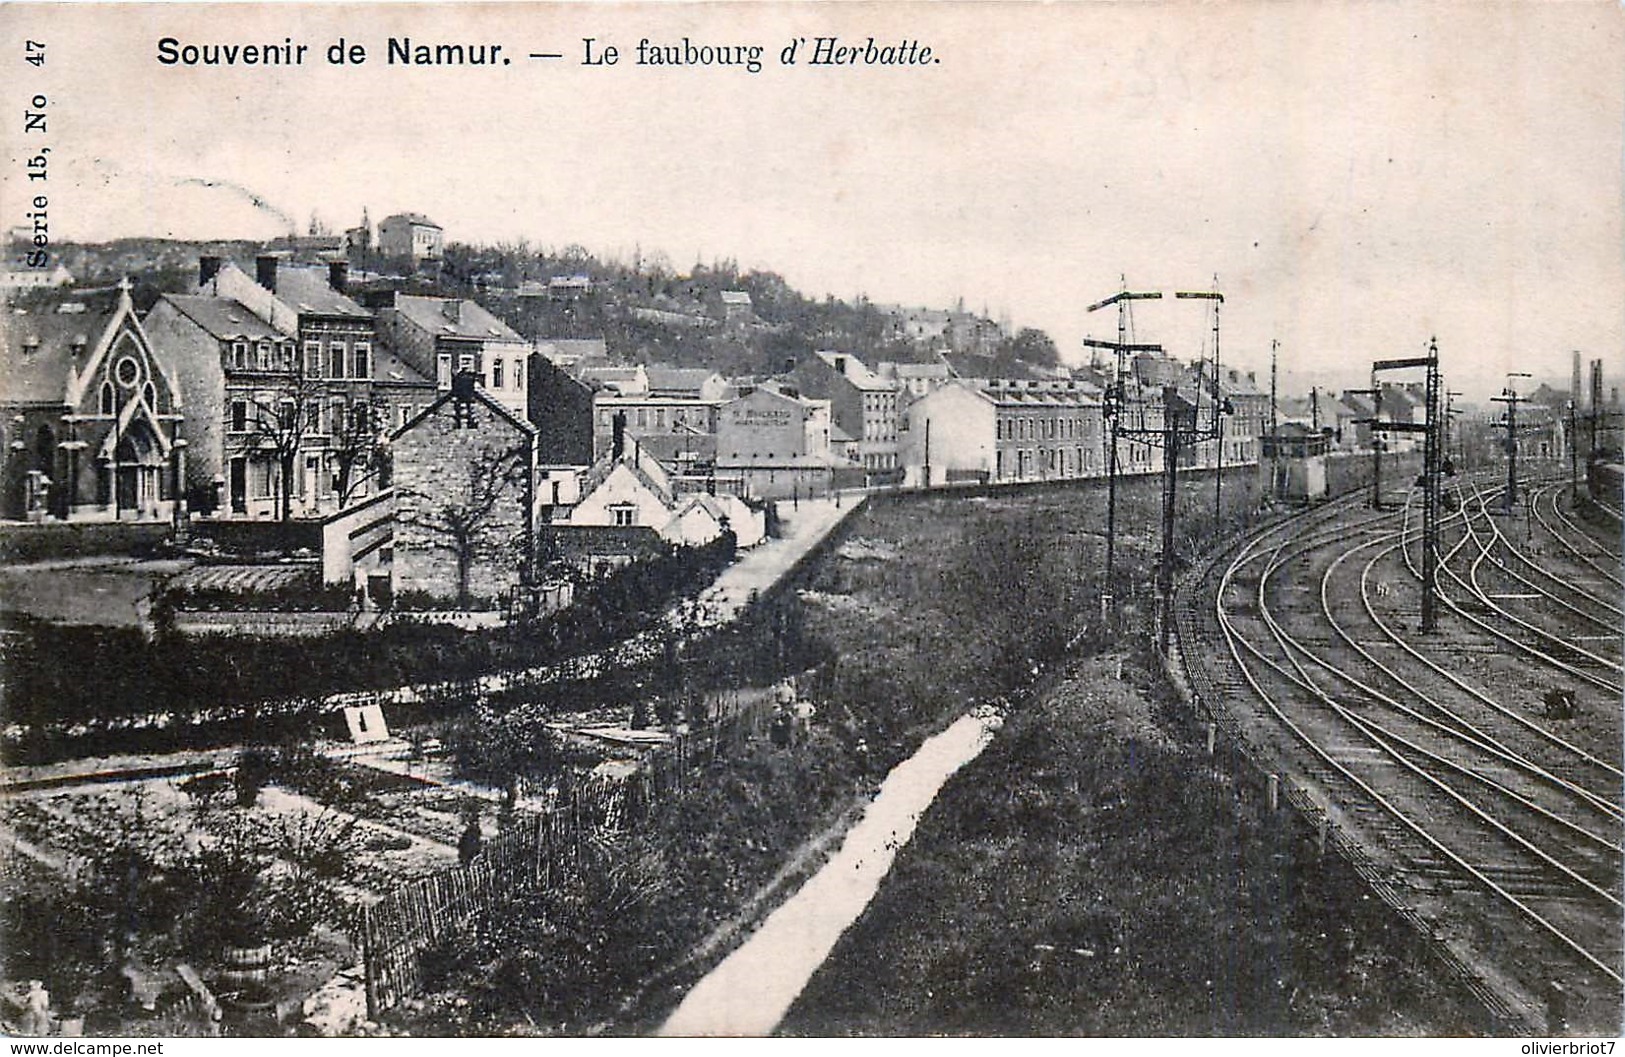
point(273, 390)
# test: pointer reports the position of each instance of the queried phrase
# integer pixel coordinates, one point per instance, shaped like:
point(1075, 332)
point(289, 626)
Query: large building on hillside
point(412, 236)
point(90, 415)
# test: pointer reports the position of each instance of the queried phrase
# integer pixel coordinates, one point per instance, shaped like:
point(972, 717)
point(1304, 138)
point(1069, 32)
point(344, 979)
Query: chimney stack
point(265, 270)
point(207, 269)
point(452, 310)
point(840, 365)
point(338, 275)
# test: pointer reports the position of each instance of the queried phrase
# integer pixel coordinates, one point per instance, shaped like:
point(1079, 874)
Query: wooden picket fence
point(395, 932)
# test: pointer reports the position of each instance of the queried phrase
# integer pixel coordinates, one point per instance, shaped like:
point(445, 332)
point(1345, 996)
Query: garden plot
point(244, 577)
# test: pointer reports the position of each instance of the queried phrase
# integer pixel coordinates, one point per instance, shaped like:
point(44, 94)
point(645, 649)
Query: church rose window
point(127, 371)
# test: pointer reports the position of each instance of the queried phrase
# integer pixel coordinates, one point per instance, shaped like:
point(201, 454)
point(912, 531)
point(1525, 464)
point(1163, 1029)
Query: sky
point(1357, 178)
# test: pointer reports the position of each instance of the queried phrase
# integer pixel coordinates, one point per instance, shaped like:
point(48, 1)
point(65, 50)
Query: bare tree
point(465, 517)
point(359, 456)
point(280, 417)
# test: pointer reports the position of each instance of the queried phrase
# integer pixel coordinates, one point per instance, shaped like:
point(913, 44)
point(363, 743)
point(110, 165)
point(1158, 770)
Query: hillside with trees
point(645, 310)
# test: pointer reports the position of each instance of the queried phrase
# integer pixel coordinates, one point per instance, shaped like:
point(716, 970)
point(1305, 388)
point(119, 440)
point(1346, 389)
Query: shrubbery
point(48, 676)
point(305, 595)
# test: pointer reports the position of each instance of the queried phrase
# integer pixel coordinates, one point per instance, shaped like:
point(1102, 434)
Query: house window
point(262, 355)
point(496, 374)
point(313, 359)
point(363, 360)
point(625, 516)
point(465, 361)
point(239, 416)
point(239, 355)
point(335, 416)
point(443, 370)
point(335, 356)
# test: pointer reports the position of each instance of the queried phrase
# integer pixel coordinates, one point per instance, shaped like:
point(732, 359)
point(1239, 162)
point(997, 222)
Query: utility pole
point(1376, 424)
point(1181, 424)
point(1215, 429)
point(1509, 422)
point(1112, 406)
point(1449, 417)
point(1179, 419)
point(1432, 465)
point(1574, 446)
point(1275, 426)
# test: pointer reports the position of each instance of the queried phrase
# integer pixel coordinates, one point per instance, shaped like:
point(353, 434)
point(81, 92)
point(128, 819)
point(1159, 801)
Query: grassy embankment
point(1095, 872)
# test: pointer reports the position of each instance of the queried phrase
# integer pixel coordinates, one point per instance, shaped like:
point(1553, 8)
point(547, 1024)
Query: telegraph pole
point(1432, 465)
point(1112, 406)
point(1181, 424)
point(1215, 429)
point(1375, 422)
point(1509, 396)
point(1430, 490)
point(1275, 426)
point(1574, 449)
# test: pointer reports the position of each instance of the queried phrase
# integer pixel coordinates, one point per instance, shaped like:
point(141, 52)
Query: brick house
point(442, 336)
point(776, 443)
point(290, 338)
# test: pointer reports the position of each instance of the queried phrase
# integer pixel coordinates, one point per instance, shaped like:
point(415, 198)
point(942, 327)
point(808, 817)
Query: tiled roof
point(413, 218)
point(389, 367)
point(473, 322)
point(41, 376)
point(677, 379)
point(223, 317)
point(668, 447)
point(308, 291)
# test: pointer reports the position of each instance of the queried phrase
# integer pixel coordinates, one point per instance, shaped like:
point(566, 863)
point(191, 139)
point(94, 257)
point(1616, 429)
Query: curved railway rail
point(1503, 832)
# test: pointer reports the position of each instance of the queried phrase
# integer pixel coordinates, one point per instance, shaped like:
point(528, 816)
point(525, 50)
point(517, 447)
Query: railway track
point(1576, 540)
point(1495, 831)
point(1469, 563)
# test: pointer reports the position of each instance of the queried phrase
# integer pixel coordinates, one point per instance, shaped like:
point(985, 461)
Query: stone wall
point(449, 466)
